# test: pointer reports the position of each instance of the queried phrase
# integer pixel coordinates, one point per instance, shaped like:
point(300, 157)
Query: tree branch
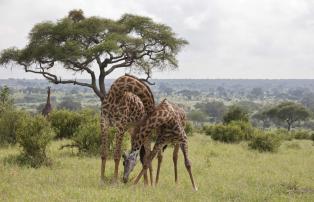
point(54, 79)
point(123, 64)
point(148, 77)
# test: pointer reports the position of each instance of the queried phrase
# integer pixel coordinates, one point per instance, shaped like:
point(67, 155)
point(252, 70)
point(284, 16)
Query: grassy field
point(223, 172)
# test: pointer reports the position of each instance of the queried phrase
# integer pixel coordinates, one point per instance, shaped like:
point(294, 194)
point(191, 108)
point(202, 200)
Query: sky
point(246, 39)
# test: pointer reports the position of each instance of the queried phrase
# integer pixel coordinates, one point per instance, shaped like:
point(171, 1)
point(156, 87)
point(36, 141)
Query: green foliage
point(87, 137)
point(265, 142)
point(65, 122)
point(69, 104)
point(33, 135)
point(283, 134)
point(225, 133)
point(196, 116)
point(246, 127)
point(289, 112)
point(214, 109)
point(189, 128)
point(301, 134)
point(312, 136)
point(6, 100)
point(10, 121)
point(77, 38)
point(235, 113)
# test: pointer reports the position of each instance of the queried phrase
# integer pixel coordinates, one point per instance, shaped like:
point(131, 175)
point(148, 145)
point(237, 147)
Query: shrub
point(246, 127)
point(312, 136)
point(33, 135)
point(65, 122)
point(189, 128)
point(87, 138)
point(225, 133)
point(9, 123)
point(265, 142)
point(301, 134)
point(235, 113)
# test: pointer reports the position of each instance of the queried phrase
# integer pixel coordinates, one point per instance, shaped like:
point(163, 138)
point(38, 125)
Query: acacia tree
point(96, 46)
point(289, 112)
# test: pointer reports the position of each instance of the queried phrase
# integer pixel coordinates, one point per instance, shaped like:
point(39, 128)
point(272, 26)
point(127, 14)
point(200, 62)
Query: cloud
point(228, 38)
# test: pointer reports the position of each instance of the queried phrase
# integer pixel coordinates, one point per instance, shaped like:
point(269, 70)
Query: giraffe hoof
point(195, 189)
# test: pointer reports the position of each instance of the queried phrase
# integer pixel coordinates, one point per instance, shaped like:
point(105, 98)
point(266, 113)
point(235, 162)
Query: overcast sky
point(228, 38)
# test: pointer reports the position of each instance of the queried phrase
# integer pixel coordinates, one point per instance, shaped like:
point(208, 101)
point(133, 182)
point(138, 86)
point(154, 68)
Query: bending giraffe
point(127, 102)
point(165, 116)
point(130, 160)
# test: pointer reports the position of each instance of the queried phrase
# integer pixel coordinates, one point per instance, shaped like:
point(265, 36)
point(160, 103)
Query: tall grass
point(223, 172)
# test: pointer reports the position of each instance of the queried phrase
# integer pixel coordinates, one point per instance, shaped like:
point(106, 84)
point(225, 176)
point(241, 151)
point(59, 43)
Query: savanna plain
point(223, 172)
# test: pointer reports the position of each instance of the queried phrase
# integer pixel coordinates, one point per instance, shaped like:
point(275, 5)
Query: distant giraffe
point(127, 102)
point(166, 116)
point(47, 109)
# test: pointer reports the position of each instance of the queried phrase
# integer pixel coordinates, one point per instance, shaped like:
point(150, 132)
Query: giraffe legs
point(117, 152)
point(175, 160)
point(184, 148)
point(159, 157)
point(104, 149)
point(149, 165)
point(147, 161)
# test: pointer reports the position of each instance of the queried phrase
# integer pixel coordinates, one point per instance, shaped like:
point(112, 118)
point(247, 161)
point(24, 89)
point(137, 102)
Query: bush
point(283, 134)
point(235, 113)
point(225, 133)
point(312, 136)
point(70, 104)
point(265, 142)
point(246, 127)
point(87, 138)
point(10, 121)
point(301, 134)
point(65, 122)
point(33, 135)
point(189, 128)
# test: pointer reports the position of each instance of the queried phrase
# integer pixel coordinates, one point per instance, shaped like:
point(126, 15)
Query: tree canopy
point(235, 113)
point(214, 109)
point(289, 112)
point(80, 43)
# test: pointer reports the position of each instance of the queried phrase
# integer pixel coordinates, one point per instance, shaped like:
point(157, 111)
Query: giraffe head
point(129, 162)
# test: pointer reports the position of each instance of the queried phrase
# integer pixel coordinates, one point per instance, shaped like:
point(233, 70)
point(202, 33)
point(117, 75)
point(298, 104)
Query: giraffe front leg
point(175, 162)
point(184, 148)
point(103, 149)
point(117, 153)
point(160, 157)
point(147, 162)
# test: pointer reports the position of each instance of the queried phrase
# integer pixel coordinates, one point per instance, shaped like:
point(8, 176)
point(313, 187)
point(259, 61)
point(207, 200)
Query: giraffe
point(165, 116)
point(127, 102)
point(47, 109)
point(130, 161)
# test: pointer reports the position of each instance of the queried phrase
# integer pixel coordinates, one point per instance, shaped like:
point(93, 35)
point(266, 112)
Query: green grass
point(223, 172)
